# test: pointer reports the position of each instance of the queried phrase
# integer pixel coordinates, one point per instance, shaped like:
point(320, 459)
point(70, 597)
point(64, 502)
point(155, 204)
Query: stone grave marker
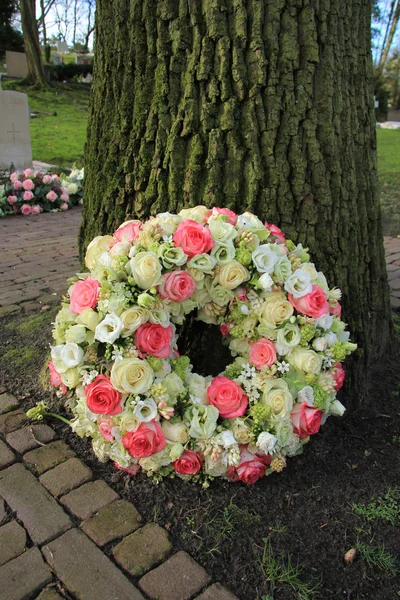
point(57, 59)
point(16, 64)
point(62, 47)
point(15, 137)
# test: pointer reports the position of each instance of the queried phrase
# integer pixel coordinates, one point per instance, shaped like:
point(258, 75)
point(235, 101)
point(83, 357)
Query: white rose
point(175, 432)
point(320, 344)
point(160, 317)
point(298, 284)
point(266, 282)
point(146, 270)
point(241, 431)
point(305, 360)
point(277, 396)
point(132, 376)
point(72, 188)
point(109, 329)
point(121, 248)
point(264, 258)
point(306, 395)
point(127, 420)
point(266, 442)
point(145, 410)
point(97, 246)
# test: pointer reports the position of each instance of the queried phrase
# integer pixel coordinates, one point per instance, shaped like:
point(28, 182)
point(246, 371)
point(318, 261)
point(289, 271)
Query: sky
point(64, 12)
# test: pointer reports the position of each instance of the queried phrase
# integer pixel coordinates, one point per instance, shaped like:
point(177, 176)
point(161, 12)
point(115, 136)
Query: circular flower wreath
point(140, 401)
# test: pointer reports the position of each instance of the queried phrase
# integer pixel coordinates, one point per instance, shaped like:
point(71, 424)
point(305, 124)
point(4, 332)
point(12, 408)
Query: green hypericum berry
point(339, 351)
point(180, 365)
point(290, 245)
point(243, 255)
point(321, 398)
point(155, 363)
point(260, 412)
point(307, 333)
point(236, 315)
point(233, 371)
point(237, 332)
point(311, 379)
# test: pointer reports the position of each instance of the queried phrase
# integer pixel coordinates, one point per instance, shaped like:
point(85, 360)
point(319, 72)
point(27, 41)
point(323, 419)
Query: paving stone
point(142, 550)
point(395, 284)
point(66, 477)
point(99, 578)
point(113, 521)
point(12, 541)
point(9, 310)
point(43, 518)
point(30, 306)
point(22, 577)
point(179, 578)
point(89, 498)
point(49, 594)
point(216, 592)
point(12, 421)
point(395, 302)
point(30, 437)
point(47, 457)
point(6, 456)
point(7, 402)
point(3, 513)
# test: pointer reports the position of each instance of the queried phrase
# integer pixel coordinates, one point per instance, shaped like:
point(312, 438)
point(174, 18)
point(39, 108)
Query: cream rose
point(232, 275)
point(241, 431)
point(199, 213)
point(175, 432)
point(305, 360)
point(132, 318)
point(276, 308)
point(71, 378)
point(89, 318)
point(277, 396)
point(100, 244)
point(146, 270)
point(132, 376)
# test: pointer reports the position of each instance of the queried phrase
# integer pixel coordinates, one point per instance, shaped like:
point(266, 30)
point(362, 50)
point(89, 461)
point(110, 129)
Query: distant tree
point(33, 51)
point(10, 38)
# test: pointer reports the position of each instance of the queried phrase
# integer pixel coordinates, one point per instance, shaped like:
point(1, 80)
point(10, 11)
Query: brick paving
point(54, 523)
point(392, 250)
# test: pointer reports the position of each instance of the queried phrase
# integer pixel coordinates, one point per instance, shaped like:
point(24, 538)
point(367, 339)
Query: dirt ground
point(306, 512)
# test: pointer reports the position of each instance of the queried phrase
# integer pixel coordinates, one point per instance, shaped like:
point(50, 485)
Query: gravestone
point(81, 59)
point(62, 47)
point(15, 137)
point(16, 64)
point(57, 59)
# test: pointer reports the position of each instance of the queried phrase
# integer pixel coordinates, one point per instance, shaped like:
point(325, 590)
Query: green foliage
point(69, 71)
point(59, 133)
point(377, 558)
point(279, 573)
point(385, 507)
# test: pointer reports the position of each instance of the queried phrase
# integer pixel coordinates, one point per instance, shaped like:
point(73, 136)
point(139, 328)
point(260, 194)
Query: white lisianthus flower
point(171, 256)
point(320, 344)
point(223, 253)
point(160, 317)
point(284, 432)
point(76, 333)
point(67, 356)
point(105, 260)
point(225, 439)
point(288, 338)
point(306, 394)
point(266, 442)
point(132, 376)
point(336, 408)
point(266, 282)
point(298, 284)
point(174, 385)
point(222, 232)
point(146, 270)
point(202, 262)
point(197, 386)
point(310, 269)
point(264, 259)
point(145, 410)
point(119, 454)
point(325, 322)
point(249, 221)
point(109, 329)
point(330, 338)
point(282, 268)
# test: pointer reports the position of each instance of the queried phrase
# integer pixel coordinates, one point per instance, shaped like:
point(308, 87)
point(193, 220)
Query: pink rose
point(55, 377)
point(189, 463)
point(232, 217)
point(225, 329)
point(128, 231)
point(146, 440)
point(84, 294)
point(28, 196)
point(51, 196)
point(314, 304)
point(306, 419)
point(17, 185)
point(28, 184)
point(64, 196)
point(36, 209)
point(337, 310)
point(64, 206)
point(12, 199)
point(276, 233)
point(14, 176)
point(28, 173)
point(154, 339)
point(177, 286)
point(228, 397)
point(102, 398)
point(262, 353)
point(241, 293)
point(26, 209)
point(251, 467)
point(133, 468)
point(193, 238)
point(105, 430)
point(339, 376)
point(46, 178)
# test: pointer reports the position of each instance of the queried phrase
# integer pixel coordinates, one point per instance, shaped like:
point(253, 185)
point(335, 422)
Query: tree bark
point(253, 105)
point(33, 53)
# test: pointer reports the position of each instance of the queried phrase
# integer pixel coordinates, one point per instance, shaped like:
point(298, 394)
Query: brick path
point(392, 249)
point(56, 520)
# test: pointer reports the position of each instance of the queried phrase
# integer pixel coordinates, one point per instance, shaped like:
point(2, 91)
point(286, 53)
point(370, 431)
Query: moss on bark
point(266, 106)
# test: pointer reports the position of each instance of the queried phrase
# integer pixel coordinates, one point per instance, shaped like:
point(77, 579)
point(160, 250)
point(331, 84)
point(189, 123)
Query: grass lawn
point(58, 139)
point(389, 174)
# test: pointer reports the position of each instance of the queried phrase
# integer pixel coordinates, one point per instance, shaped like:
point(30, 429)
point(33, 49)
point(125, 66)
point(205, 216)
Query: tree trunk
point(43, 21)
point(389, 38)
point(253, 105)
point(33, 53)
